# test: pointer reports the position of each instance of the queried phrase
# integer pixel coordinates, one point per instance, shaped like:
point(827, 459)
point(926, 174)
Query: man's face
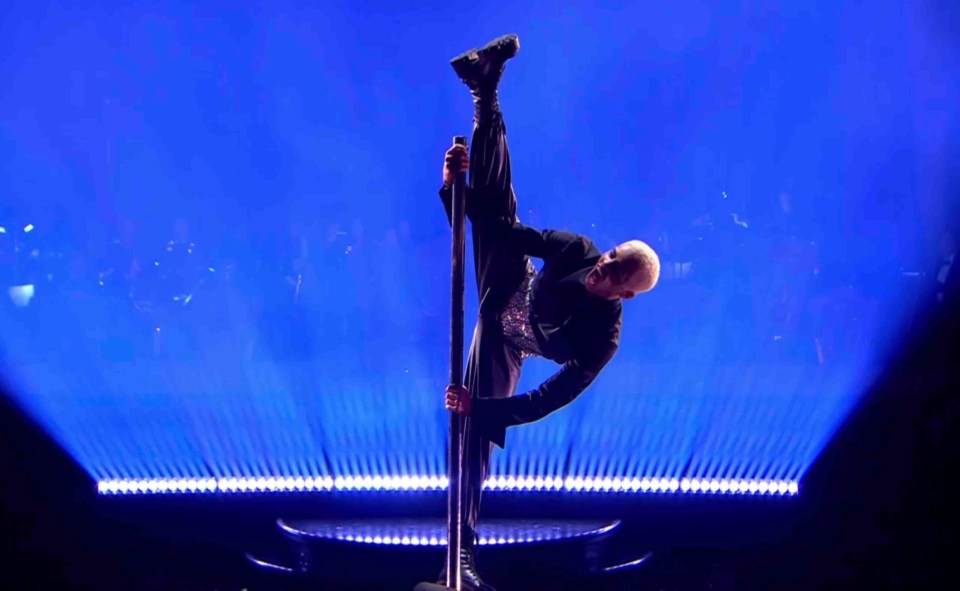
point(608, 277)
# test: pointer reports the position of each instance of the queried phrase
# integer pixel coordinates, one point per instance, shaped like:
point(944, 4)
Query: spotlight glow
point(21, 295)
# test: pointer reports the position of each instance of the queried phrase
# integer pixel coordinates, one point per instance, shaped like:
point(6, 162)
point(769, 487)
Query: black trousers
point(493, 363)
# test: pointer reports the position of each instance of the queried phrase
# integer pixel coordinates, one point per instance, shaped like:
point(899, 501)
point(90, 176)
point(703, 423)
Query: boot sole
point(504, 47)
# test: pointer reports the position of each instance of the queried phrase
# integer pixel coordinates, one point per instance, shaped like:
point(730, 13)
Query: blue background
point(790, 161)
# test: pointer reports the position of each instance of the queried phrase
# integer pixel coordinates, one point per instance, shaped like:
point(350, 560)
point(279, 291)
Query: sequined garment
point(515, 318)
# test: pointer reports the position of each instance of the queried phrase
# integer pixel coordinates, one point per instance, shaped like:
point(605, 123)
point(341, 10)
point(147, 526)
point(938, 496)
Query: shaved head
point(624, 271)
point(643, 268)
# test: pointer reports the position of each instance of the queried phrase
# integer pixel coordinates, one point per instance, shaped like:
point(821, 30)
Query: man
point(569, 312)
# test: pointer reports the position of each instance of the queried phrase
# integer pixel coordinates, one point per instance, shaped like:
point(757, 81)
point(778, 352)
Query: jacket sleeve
point(446, 197)
point(548, 244)
point(559, 390)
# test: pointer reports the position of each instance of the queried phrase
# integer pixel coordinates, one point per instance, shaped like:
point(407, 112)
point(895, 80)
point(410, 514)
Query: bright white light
point(437, 483)
point(28, 228)
point(21, 295)
point(3, 230)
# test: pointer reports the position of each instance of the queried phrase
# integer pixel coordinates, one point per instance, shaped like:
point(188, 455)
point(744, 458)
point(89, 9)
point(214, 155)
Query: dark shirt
point(573, 327)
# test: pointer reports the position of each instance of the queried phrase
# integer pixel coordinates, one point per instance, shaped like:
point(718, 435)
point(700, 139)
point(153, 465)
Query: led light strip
point(717, 486)
point(435, 541)
point(413, 539)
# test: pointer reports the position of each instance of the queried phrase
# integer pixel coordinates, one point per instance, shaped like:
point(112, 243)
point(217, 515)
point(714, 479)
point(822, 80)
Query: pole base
point(431, 587)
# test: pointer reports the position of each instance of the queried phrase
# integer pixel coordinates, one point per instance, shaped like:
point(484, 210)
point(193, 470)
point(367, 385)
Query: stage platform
point(320, 548)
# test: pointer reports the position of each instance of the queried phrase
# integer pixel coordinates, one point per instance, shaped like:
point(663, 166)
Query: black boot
point(469, 577)
point(480, 69)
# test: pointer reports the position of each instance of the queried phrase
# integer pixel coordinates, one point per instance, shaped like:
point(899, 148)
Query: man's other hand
point(456, 160)
point(458, 400)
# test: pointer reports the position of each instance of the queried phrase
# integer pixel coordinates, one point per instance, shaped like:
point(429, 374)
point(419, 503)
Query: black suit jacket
point(573, 327)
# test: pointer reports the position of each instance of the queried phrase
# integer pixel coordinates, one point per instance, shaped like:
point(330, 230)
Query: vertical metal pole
point(455, 448)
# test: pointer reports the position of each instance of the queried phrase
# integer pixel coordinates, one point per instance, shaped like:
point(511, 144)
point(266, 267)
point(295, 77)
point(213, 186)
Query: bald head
point(628, 269)
point(642, 266)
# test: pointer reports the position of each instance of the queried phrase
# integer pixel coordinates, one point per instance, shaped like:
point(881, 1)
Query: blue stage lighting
point(247, 290)
point(438, 483)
